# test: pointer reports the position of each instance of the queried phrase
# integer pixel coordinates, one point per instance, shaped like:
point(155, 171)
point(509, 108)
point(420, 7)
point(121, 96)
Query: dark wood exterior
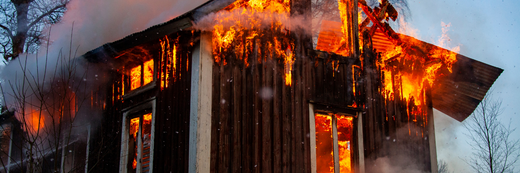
point(172, 110)
point(258, 123)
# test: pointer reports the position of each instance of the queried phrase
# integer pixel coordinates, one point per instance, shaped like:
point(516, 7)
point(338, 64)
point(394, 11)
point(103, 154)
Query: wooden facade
point(259, 123)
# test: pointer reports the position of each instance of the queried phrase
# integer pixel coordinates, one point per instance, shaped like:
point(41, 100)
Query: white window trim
point(125, 133)
point(361, 156)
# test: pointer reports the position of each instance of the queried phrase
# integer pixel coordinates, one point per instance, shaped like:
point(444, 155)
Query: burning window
point(139, 143)
point(141, 75)
point(333, 143)
point(333, 23)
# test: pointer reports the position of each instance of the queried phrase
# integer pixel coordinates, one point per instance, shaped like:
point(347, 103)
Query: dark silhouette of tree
point(443, 167)
point(494, 149)
point(22, 22)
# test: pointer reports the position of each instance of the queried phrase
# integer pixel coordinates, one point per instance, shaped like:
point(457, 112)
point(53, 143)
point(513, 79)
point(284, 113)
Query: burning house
point(278, 86)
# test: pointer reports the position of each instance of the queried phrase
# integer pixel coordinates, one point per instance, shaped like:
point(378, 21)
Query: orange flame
point(414, 70)
point(324, 143)
point(148, 72)
point(168, 61)
point(288, 61)
point(240, 25)
point(135, 77)
point(344, 125)
point(36, 121)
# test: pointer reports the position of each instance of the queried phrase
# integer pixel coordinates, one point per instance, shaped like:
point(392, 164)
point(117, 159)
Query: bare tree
point(46, 103)
point(494, 149)
point(22, 22)
point(443, 167)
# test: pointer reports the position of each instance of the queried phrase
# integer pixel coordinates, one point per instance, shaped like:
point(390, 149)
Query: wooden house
point(244, 86)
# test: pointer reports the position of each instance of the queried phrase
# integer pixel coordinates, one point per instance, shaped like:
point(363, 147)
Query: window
point(141, 74)
point(333, 135)
point(137, 138)
point(336, 139)
point(139, 143)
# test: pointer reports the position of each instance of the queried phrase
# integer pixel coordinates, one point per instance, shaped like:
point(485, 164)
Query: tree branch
point(46, 14)
point(9, 32)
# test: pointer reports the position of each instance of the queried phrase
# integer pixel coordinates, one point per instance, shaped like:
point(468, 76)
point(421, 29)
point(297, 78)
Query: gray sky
point(487, 31)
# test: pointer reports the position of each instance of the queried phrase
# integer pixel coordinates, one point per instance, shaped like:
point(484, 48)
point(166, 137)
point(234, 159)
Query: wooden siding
point(172, 111)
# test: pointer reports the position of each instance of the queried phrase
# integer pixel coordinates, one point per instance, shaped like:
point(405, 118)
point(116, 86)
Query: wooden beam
point(200, 107)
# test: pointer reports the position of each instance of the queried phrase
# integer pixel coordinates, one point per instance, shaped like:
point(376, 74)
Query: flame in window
point(324, 143)
point(344, 125)
point(148, 72)
point(135, 77)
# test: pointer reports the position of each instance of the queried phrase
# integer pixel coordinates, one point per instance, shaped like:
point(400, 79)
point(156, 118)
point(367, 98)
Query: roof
point(155, 32)
point(457, 94)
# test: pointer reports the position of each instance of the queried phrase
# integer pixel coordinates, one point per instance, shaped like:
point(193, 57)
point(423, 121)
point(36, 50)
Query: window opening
point(139, 143)
point(333, 135)
point(141, 74)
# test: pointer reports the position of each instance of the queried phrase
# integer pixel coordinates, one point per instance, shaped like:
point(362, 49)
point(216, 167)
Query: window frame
point(128, 114)
point(357, 124)
point(144, 87)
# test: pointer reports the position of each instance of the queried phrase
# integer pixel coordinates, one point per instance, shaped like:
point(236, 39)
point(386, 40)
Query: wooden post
point(200, 106)
point(431, 131)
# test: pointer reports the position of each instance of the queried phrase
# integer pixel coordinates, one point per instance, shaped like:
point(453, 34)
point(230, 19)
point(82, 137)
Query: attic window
point(141, 75)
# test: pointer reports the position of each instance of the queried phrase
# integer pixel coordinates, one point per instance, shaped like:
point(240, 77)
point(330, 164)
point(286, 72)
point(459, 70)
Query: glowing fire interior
point(241, 25)
point(409, 70)
point(168, 61)
point(140, 140)
point(142, 73)
point(35, 121)
point(325, 143)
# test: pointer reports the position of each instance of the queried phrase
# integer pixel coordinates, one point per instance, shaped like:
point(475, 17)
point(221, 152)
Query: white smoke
point(92, 23)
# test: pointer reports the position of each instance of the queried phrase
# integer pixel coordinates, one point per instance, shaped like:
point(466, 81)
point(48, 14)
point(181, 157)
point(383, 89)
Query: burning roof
point(456, 93)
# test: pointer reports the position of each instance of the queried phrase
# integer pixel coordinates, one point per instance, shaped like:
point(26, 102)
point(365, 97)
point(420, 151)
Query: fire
point(418, 67)
point(36, 121)
point(148, 72)
point(288, 61)
point(134, 126)
point(344, 49)
point(135, 77)
point(136, 74)
point(168, 61)
point(325, 145)
point(239, 26)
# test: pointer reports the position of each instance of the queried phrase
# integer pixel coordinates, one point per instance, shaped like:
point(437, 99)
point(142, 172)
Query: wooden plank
point(286, 127)
point(298, 130)
point(215, 119)
point(247, 122)
point(225, 118)
point(257, 104)
point(236, 121)
point(305, 109)
point(277, 120)
point(266, 117)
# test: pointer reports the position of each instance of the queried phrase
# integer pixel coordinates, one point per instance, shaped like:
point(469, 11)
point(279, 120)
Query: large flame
point(135, 77)
point(168, 61)
point(344, 125)
point(418, 67)
point(240, 25)
point(35, 120)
